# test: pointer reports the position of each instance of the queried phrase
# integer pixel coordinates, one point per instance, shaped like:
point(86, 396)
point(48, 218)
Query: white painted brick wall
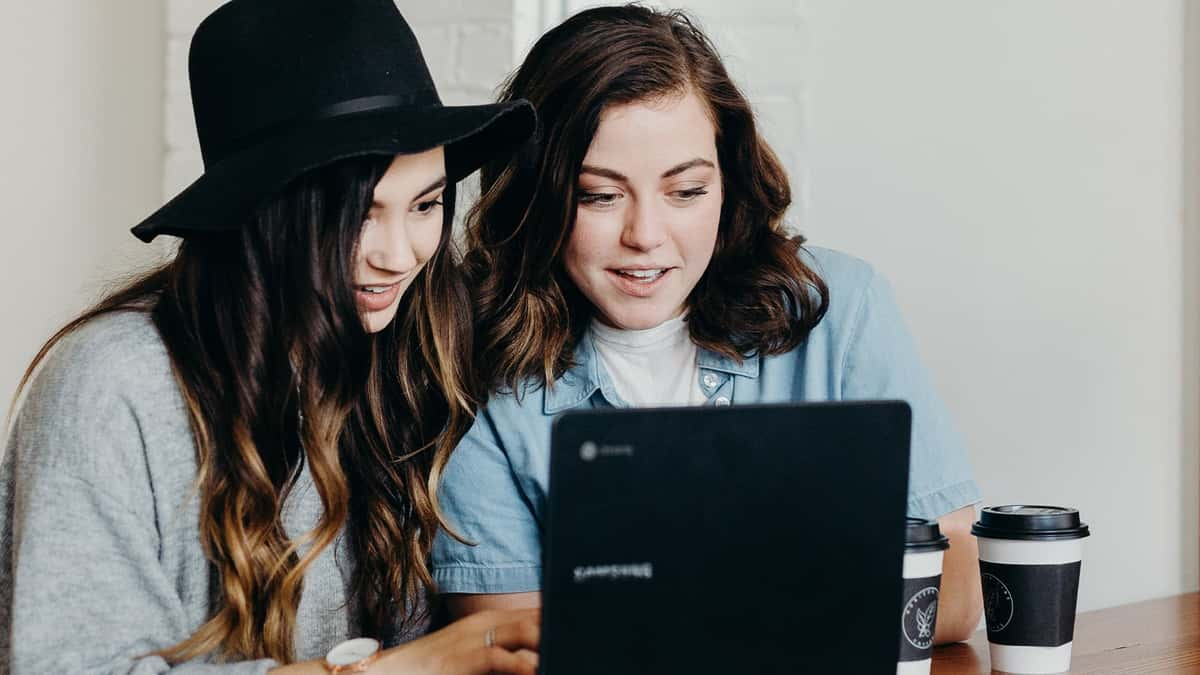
point(467, 43)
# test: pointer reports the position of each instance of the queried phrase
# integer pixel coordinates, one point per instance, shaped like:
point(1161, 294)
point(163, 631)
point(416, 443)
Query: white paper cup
point(1029, 559)
point(923, 551)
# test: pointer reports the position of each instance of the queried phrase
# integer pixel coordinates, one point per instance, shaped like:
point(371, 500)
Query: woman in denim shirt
point(634, 255)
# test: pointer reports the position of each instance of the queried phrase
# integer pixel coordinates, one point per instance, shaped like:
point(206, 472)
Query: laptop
point(743, 539)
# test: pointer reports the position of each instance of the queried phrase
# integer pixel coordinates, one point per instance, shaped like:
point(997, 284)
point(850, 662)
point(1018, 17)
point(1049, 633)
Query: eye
point(427, 207)
point(689, 194)
point(599, 199)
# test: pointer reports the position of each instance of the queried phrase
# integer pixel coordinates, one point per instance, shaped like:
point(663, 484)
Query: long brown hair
point(276, 369)
point(756, 297)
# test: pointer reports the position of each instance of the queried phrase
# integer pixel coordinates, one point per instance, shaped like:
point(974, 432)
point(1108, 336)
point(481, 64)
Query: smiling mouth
point(642, 276)
point(375, 298)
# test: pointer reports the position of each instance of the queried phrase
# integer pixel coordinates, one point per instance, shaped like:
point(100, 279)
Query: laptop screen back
point(744, 539)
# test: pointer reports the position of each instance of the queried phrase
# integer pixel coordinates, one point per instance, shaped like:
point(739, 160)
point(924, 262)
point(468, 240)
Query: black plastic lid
point(922, 535)
point(1029, 523)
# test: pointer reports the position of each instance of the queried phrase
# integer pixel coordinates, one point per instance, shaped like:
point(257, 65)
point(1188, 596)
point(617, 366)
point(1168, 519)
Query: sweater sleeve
point(82, 588)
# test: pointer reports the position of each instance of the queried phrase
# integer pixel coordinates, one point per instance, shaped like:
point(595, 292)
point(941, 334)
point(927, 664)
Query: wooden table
point(1156, 636)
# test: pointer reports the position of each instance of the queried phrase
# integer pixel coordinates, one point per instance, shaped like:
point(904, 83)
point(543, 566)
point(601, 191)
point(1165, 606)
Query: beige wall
point(81, 141)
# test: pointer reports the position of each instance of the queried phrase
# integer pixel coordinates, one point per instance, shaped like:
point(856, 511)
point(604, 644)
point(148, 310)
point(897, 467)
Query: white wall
point(1017, 169)
point(80, 137)
point(1189, 251)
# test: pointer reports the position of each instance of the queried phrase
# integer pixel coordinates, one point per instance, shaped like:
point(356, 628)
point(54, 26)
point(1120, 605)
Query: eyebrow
point(673, 171)
point(439, 183)
point(690, 164)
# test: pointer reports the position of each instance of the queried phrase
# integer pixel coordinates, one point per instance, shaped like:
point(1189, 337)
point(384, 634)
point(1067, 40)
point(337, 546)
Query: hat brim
point(230, 190)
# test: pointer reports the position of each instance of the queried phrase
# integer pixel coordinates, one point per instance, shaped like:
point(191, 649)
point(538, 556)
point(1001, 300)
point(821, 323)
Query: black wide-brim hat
point(281, 87)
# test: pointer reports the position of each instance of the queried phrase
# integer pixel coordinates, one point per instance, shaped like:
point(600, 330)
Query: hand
point(462, 647)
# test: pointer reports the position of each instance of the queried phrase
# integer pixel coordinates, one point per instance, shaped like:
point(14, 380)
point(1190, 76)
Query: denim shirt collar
point(587, 376)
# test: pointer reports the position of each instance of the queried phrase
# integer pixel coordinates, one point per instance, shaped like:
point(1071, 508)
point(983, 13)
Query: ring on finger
point(489, 638)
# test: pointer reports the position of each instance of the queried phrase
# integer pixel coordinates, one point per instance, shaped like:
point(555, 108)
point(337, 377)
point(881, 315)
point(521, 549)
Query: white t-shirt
point(652, 367)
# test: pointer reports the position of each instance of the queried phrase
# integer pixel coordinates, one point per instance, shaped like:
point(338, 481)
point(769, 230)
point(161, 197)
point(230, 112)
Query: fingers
point(523, 633)
point(498, 641)
point(503, 662)
point(530, 656)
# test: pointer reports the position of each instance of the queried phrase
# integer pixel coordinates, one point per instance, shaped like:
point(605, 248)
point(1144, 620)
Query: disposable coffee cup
point(1029, 560)
point(924, 546)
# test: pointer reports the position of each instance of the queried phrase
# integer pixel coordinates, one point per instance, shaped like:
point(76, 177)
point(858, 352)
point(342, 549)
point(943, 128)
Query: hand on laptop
point(494, 641)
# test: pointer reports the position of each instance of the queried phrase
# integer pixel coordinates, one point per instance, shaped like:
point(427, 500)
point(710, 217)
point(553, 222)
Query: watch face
point(351, 652)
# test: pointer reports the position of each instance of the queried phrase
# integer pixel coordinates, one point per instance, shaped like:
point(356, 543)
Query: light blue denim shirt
point(495, 485)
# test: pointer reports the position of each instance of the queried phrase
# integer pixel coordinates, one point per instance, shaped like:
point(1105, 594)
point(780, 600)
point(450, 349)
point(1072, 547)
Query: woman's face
point(648, 210)
point(401, 232)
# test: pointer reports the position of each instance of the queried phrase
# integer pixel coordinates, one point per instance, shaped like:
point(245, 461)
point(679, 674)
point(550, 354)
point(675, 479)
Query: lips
point(646, 275)
point(639, 282)
point(376, 298)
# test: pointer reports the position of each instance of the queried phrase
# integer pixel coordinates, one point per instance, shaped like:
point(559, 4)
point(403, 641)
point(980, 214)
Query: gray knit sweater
point(100, 556)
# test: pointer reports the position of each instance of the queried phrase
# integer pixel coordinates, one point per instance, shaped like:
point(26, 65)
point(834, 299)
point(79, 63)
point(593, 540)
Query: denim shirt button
point(722, 400)
point(709, 380)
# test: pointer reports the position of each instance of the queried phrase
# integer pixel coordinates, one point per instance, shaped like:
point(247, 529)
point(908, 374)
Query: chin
point(377, 321)
point(642, 320)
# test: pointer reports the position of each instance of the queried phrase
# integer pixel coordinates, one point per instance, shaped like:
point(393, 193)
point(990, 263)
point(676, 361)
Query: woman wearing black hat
point(231, 463)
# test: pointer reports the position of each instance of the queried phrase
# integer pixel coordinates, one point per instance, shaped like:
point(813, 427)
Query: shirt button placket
point(713, 383)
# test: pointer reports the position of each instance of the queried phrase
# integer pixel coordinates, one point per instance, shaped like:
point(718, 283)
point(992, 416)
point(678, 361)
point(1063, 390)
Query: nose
point(644, 230)
point(389, 247)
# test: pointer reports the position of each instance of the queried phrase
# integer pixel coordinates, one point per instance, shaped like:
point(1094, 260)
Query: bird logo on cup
point(925, 620)
point(920, 615)
point(997, 603)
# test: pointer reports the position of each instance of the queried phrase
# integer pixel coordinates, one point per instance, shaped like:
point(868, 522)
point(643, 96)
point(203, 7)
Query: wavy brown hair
point(757, 295)
point(276, 370)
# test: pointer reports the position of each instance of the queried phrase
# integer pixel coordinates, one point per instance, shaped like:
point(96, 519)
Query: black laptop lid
point(744, 539)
